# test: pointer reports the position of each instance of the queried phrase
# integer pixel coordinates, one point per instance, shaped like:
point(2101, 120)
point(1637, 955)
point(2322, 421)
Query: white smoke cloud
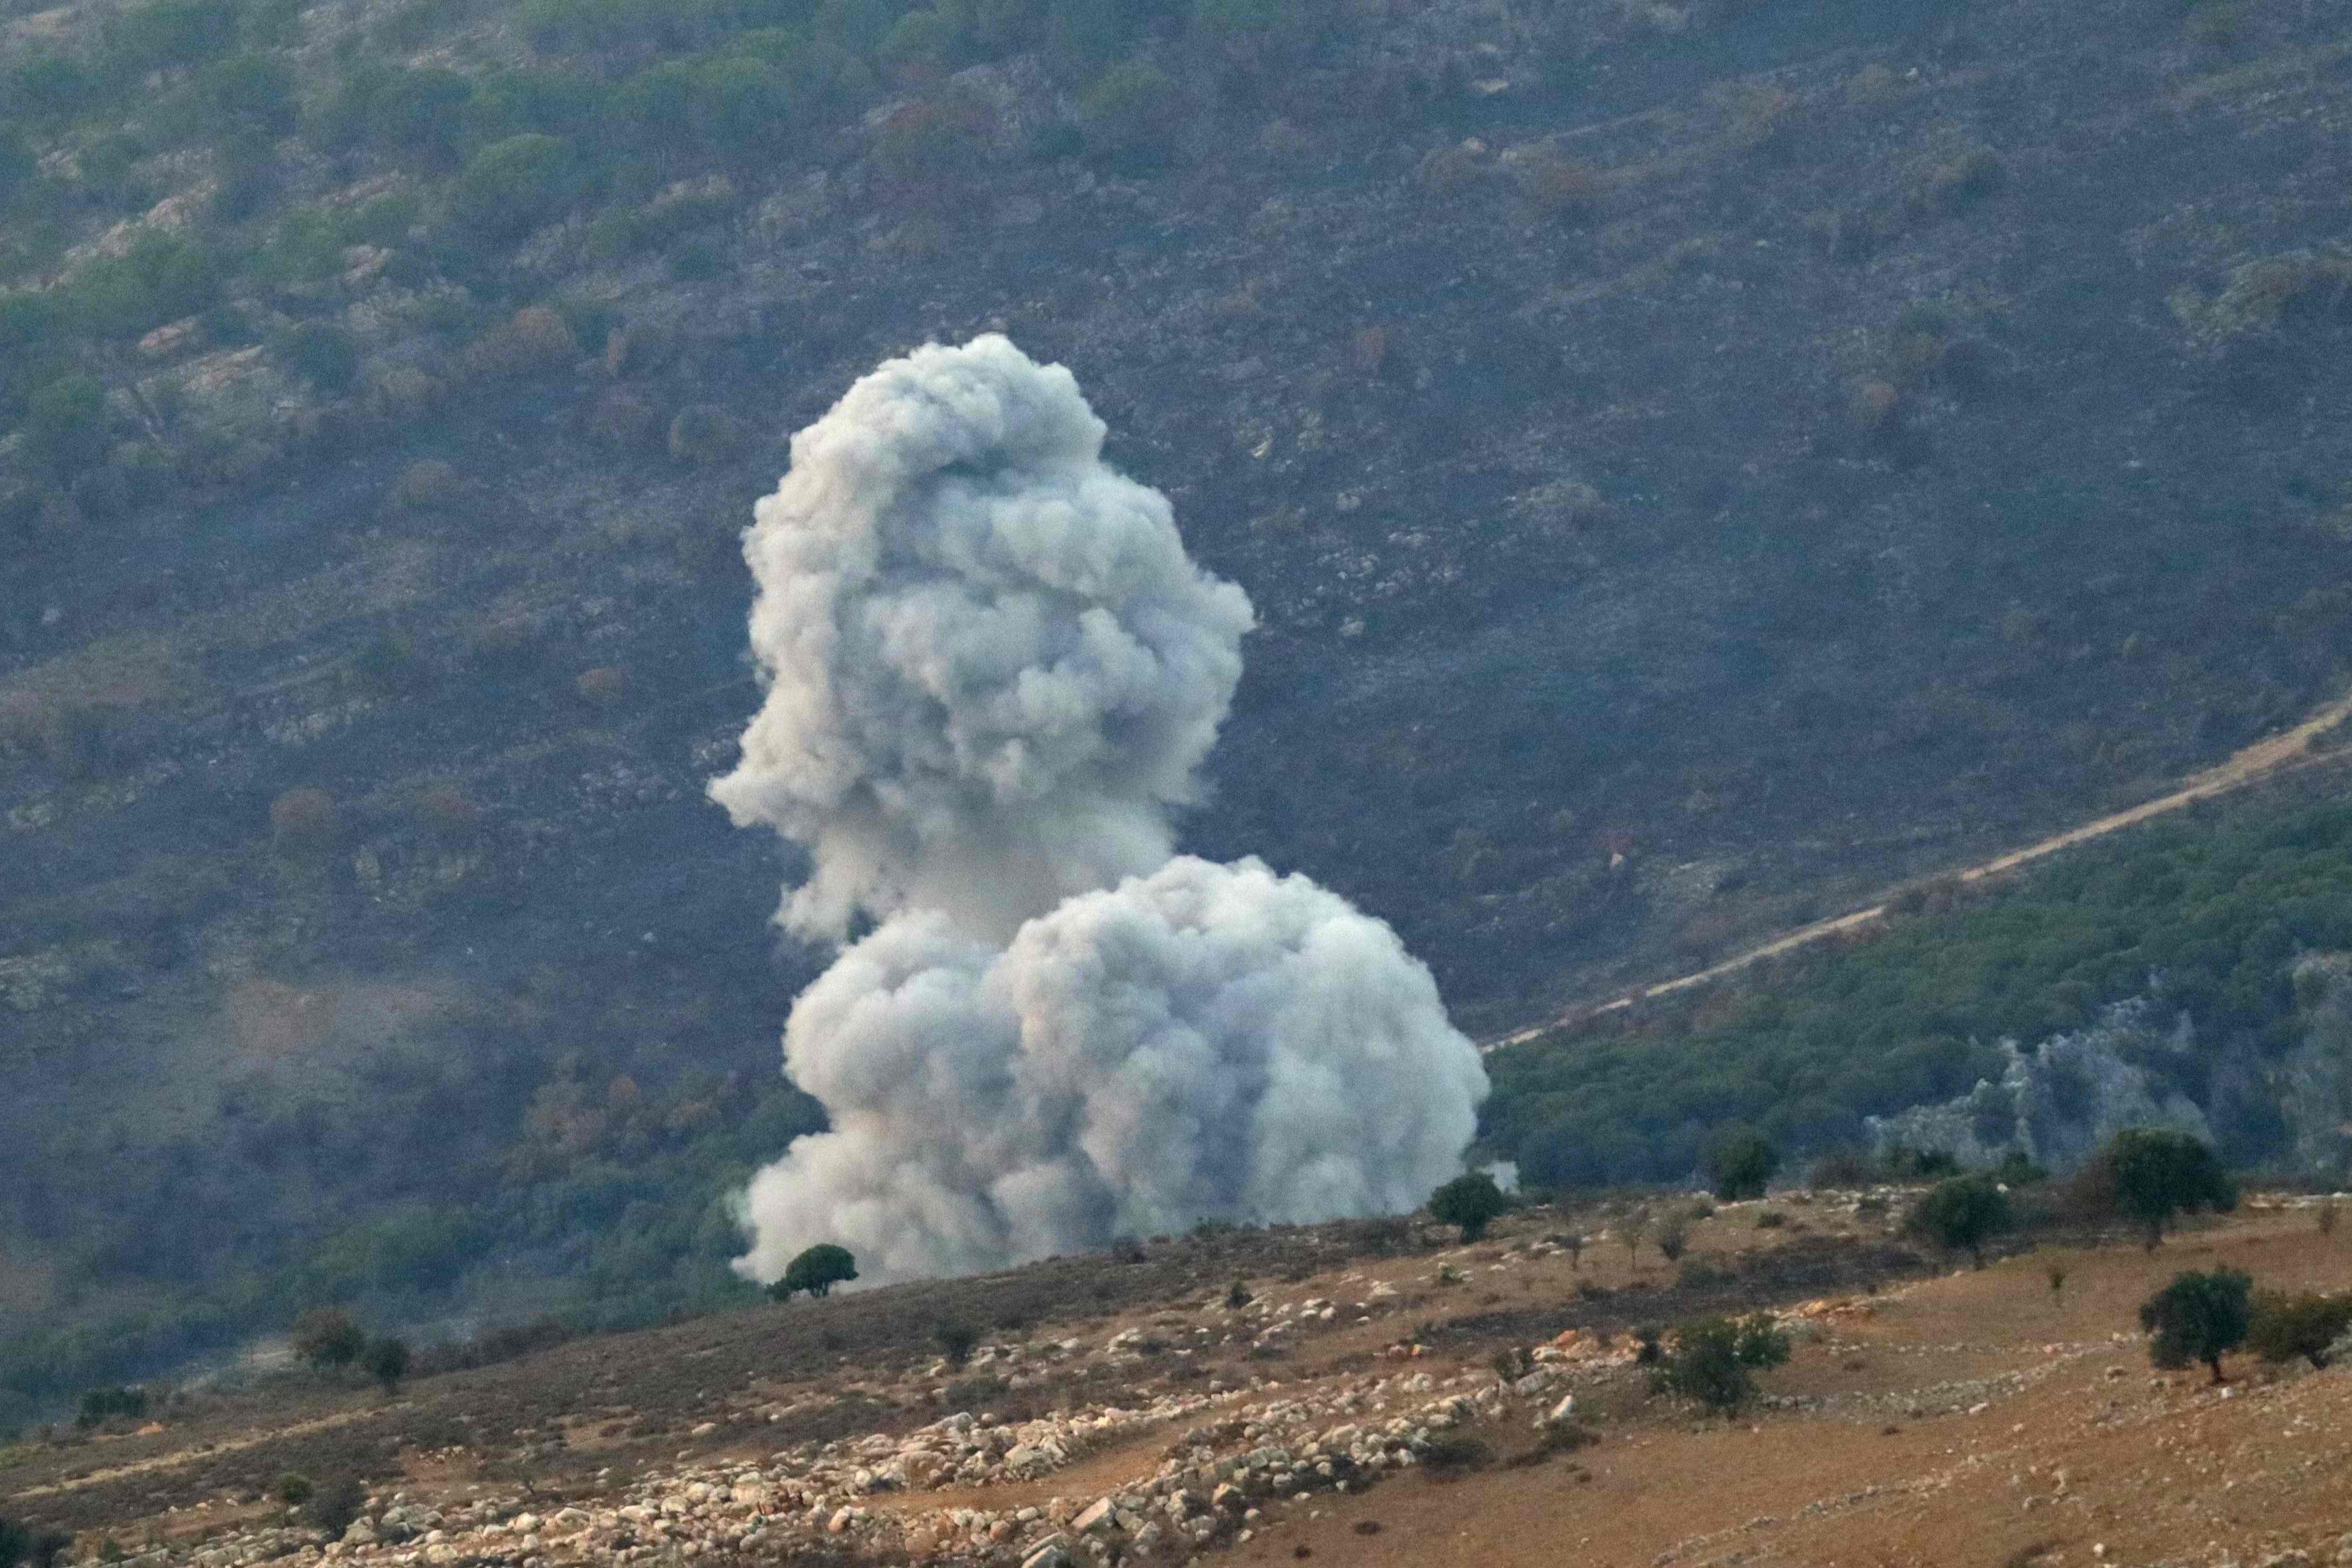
point(991, 672)
point(1208, 1041)
point(991, 669)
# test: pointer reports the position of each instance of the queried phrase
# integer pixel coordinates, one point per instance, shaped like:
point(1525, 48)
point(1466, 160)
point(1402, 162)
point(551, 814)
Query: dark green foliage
point(29, 1545)
point(386, 1361)
point(168, 33)
point(2200, 1316)
point(1713, 1359)
point(161, 277)
point(323, 353)
point(1471, 1201)
point(956, 1341)
point(2215, 909)
point(1962, 1214)
point(119, 1403)
point(328, 1337)
point(512, 186)
point(2284, 1326)
point(816, 1270)
point(1130, 116)
point(1739, 1163)
point(332, 1507)
point(65, 425)
point(2153, 1175)
point(294, 1488)
point(51, 87)
point(250, 92)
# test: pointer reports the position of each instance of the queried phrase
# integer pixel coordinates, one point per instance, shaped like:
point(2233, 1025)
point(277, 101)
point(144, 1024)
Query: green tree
point(1962, 1214)
point(1130, 116)
point(1472, 1202)
point(2285, 1326)
point(386, 1361)
point(2200, 1316)
point(1739, 1163)
point(512, 186)
point(1713, 1359)
point(66, 424)
point(2153, 1175)
point(816, 1270)
point(328, 1337)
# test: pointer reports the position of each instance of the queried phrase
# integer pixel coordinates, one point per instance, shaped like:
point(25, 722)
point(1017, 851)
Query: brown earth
point(1970, 1417)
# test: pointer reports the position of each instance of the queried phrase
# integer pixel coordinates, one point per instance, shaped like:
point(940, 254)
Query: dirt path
point(2264, 759)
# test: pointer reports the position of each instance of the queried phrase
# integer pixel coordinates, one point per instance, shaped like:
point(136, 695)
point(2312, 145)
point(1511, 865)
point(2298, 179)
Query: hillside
point(1692, 463)
point(1380, 1398)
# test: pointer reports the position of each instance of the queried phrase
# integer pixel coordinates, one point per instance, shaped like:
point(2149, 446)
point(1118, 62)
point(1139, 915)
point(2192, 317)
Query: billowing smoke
point(991, 672)
point(1208, 1041)
point(991, 669)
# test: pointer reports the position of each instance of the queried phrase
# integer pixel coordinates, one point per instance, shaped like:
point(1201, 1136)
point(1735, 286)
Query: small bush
point(427, 485)
point(2200, 1316)
point(1129, 117)
point(294, 1488)
point(326, 1337)
point(1951, 187)
point(606, 685)
point(1713, 1358)
point(533, 341)
point(513, 187)
point(703, 433)
point(956, 1341)
point(2284, 1326)
point(1739, 1163)
point(333, 1506)
point(1451, 1454)
point(302, 821)
point(118, 1403)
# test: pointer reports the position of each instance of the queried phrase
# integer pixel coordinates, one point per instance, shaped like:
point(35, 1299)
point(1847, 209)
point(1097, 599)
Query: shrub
point(703, 433)
point(1472, 1202)
point(427, 485)
point(1674, 1238)
point(533, 341)
point(1129, 117)
point(118, 1403)
point(956, 1341)
point(160, 279)
point(332, 1507)
point(294, 1488)
point(386, 1361)
point(1712, 1360)
point(324, 354)
point(326, 1337)
point(65, 425)
point(1956, 184)
point(604, 686)
point(302, 821)
point(1739, 1163)
point(817, 1269)
point(1450, 1454)
point(2151, 1175)
point(2200, 1316)
point(2283, 1326)
point(1961, 1214)
point(29, 1545)
point(513, 187)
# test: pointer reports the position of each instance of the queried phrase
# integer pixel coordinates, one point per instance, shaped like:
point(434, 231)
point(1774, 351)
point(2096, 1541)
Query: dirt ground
point(1926, 1418)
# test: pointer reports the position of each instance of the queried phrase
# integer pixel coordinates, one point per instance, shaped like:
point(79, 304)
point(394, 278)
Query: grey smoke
point(1206, 1042)
point(991, 673)
point(991, 669)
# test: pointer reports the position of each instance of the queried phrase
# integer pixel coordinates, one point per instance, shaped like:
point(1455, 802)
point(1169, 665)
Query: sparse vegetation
point(2283, 1326)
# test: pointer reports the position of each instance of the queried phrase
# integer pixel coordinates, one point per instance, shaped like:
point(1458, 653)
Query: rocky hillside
point(1688, 460)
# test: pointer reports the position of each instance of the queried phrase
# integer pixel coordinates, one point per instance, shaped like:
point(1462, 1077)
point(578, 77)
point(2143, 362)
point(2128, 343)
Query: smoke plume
point(991, 671)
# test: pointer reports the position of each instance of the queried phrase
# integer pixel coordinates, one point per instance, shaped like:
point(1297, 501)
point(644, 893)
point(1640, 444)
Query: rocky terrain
point(1465, 1403)
point(1691, 463)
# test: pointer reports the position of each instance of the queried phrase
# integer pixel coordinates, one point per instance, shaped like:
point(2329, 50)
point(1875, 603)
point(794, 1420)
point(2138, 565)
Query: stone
point(1054, 1551)
point(1095, 1515)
